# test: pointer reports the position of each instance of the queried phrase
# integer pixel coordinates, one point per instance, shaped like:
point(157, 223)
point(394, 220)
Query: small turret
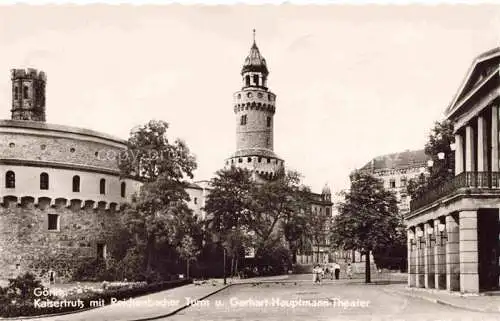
point(28, 94)
point(326, 193)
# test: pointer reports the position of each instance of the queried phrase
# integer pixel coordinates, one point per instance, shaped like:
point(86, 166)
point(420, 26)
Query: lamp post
point(225, 281)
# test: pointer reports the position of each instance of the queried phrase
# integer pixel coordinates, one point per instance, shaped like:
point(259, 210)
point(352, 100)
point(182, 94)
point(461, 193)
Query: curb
point(184, 306)
point(439, 301)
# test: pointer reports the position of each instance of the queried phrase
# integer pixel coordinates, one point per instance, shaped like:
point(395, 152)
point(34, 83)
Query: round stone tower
point(28, 94)
point(254, 108)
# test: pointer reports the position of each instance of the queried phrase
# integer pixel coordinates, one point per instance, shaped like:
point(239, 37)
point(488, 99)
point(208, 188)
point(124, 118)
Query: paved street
point(272, 301)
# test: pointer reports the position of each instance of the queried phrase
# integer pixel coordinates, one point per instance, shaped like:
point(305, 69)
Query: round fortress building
point(60, 188)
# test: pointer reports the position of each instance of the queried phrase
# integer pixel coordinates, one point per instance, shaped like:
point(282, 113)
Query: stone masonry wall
point(26, 244)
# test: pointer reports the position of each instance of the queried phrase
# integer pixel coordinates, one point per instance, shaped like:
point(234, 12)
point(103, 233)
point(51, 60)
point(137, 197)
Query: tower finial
point(254, 35)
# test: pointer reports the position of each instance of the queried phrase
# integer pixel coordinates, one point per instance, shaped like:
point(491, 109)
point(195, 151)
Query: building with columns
point(453, 231)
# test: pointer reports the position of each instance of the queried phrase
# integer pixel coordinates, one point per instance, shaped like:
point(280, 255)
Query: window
point(53, 222)
point(196, 200)
point(102, 186)
point(10, 180)
point(76, 183)
point(403, 181)
point(101, 250)
point(247, 80)
point(260, 159)
point(16, 93)
point(243, 120)
point(249, 159)
point(268, 160)
point(256, 79)
point(25, 93)
point(268, 121)
point(44, 181)
point(240, 160)
point(123, 189)
point(392, 183)
point(328, 211)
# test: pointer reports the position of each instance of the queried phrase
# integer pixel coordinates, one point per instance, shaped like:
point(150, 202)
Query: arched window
point(76, 183)
point(10, 179)
point(102, 186)
point(247, 80)
point(256, 79)
point(25, 94)
point(123, 189)
point(16, 93)
point(44, 181)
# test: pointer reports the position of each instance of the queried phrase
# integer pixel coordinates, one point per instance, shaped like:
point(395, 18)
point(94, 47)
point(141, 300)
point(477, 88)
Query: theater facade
point(453, 230)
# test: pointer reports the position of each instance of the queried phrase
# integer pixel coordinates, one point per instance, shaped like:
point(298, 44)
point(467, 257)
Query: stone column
point(429, 255)
point(494, 138)
point(419, 258)
point(411, 258)
point(452, 254)
point(459, 154)
point(469, 272)
point(439, 258)
point(482, 147)
point(470, 164)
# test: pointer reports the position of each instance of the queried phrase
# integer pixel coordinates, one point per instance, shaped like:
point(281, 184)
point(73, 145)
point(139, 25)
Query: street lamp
point(430, 163)
point(441, 155)
point(432, 238)
point(442, 232)
point(453, 146)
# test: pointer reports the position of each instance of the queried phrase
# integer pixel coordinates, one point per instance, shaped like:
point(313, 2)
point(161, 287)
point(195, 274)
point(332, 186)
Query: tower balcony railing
point(476, 180)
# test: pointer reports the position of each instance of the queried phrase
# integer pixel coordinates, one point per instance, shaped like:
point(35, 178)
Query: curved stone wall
point(29, 149)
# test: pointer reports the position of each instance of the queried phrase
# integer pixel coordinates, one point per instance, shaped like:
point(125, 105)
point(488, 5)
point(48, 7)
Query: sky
point(352, 82)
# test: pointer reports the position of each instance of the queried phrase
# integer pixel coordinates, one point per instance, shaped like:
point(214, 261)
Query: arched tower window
point(10, 179)
point(247, 80)
point(123, 189)
point(16, 93)
point(44, 181)
point(269, 121)
point(25, 92)
point(256, 80)
point(76, 183)
point(102, 186)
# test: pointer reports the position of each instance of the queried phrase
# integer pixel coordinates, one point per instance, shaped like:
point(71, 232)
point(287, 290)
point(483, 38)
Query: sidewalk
point(478, 303)
point(151, 306)
point(155, 305)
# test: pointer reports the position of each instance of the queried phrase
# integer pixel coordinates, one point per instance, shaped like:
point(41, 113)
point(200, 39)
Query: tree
point(368, 218)
point(440, 140)
point(227, 206)
point(282, 201)
point(317, 228)
point(159, 212)
point(188, 251)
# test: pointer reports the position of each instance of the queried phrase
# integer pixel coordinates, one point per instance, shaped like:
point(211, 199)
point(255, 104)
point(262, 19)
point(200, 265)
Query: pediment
point(481, 69)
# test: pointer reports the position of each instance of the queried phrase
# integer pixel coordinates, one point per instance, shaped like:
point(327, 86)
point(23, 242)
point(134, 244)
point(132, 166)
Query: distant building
point(396, 170)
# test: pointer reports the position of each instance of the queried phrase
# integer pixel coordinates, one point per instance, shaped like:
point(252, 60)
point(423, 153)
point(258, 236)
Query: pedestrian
point(320, 273)
point(349, 270)
point(314, 272)
point(336, 266)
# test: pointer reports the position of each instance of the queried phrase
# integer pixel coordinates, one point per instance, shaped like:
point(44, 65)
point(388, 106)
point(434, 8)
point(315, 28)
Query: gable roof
point(473, 76)
point(404, 159)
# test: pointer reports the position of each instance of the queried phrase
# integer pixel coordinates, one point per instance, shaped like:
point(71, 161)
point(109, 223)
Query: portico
point(453, 230)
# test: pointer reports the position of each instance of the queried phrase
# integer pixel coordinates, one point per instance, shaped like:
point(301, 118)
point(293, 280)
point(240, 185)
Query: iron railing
point(481, 180)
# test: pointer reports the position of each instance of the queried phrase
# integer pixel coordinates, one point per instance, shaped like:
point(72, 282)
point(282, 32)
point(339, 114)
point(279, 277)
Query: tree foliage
point(442, 170)
point(368, 217)
point(158, 217)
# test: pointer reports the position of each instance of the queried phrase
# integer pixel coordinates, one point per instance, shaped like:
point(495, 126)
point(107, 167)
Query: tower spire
point(253, 36)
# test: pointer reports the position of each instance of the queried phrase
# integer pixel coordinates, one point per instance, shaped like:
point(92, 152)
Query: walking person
point(315, 273)
point(336, 267)
point(349, 270)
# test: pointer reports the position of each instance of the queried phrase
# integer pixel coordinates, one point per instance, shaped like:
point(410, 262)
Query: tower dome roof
point(254, 61)
point(326, 190)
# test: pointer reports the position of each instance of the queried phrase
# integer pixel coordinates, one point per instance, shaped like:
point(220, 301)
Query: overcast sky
point(352, 82)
